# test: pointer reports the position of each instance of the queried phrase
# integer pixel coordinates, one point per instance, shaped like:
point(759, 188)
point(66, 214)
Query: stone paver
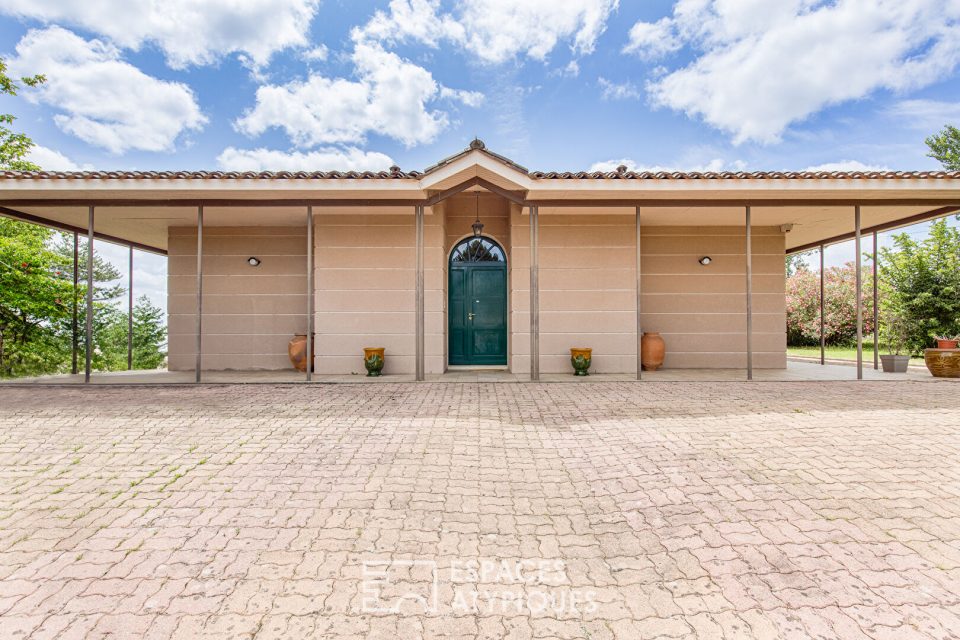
point(609, 510)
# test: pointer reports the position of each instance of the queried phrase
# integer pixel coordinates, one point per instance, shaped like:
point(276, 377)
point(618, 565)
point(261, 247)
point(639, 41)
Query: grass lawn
point(843, 353)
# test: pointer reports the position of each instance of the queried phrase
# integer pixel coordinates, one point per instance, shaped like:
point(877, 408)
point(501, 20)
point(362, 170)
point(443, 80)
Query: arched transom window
point(477, 250)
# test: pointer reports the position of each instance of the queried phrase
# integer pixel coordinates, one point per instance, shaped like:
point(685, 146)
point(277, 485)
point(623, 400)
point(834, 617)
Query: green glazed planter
point(580, 359)
point(373, 361)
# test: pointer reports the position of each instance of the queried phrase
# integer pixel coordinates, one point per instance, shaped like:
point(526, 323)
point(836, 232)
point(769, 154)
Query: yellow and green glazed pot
point(373, 360)
point(580, 359)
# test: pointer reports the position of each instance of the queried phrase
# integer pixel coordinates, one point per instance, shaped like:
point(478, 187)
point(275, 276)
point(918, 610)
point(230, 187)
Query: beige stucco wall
point(587, 291)
point(249, 313)
point(701, 310)
point(459, 213)
point(365, 277)
point(364, 296)
point(588, 299)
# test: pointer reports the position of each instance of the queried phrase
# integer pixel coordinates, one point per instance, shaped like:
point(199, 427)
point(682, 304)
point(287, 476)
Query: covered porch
point(365, 259)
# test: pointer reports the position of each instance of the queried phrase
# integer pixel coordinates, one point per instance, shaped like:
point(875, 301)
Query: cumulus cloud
point(389, 97)
point(317, 54)
point(418, 20)
point(495, 31)
point(103, 100)
point(846, 165)
point(498, 30)
point(189, 32)
point(323, 159)
point(760, 66)
point(617, 91)
point(52, 160)
point(469, 98)
point(653, 39)
point(716, 164)
point(394, 97)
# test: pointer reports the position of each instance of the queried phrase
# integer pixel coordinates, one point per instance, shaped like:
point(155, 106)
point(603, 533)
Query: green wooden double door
point(477, 312)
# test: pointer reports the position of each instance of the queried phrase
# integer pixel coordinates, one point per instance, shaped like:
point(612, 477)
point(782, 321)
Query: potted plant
point(946, 342)
point(580, 359)
point(373, 360)
point(944, 361)
point(896, 333)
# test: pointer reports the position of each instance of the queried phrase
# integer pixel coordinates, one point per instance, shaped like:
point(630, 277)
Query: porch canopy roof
point(138, 207)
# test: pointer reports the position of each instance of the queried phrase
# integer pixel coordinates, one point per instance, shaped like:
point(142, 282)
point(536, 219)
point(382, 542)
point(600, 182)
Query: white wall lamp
point(253, 262)
point(705, 260)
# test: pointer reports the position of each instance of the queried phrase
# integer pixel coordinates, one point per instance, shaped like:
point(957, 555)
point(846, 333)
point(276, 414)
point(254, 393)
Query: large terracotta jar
point(651, 351)
point(297, 350)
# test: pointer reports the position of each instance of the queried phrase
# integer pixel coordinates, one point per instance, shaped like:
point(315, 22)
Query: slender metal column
point(74, 326)
point(534, 294)
point(309, 294)
point(823, 338)
point(130, 316)
point(639, 329)
point(89, 329)
point(749, 298)
point(199, 292)
point(876, 308)
point(419, 302)
point(859, 293)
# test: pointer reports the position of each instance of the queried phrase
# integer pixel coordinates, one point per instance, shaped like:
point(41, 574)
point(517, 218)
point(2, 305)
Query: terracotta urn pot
point(651, 351)
point(373, 360)
point(297, 350)
point(580, 359)
point(947, 343)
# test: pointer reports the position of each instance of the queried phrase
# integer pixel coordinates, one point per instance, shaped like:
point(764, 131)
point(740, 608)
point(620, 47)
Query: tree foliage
point(840, 312)
point(37, 303)
point(945, 147)
point(35, 299)
point(37, 296)
point(14, 146)
point(795, 262)
point(920, 284)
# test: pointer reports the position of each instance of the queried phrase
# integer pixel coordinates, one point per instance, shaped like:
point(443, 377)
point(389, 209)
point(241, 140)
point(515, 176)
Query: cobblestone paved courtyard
point(608, 510)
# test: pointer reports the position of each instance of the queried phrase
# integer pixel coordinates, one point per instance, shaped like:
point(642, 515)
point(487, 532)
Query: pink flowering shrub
point(840, 311)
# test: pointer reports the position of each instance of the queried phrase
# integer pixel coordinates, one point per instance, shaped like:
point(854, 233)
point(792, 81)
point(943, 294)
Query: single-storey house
point(476, 261)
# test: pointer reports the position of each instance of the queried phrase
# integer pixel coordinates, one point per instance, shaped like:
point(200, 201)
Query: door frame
point(446, 307)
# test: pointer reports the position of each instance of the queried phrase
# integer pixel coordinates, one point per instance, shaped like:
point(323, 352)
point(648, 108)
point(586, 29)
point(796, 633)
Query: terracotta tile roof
point(536, 175)
point(209, 175)
point(743, 175)
point(477, 145)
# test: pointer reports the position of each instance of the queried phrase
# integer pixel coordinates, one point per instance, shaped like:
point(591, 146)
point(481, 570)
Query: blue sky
point(737, 84)
point(570, 84)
